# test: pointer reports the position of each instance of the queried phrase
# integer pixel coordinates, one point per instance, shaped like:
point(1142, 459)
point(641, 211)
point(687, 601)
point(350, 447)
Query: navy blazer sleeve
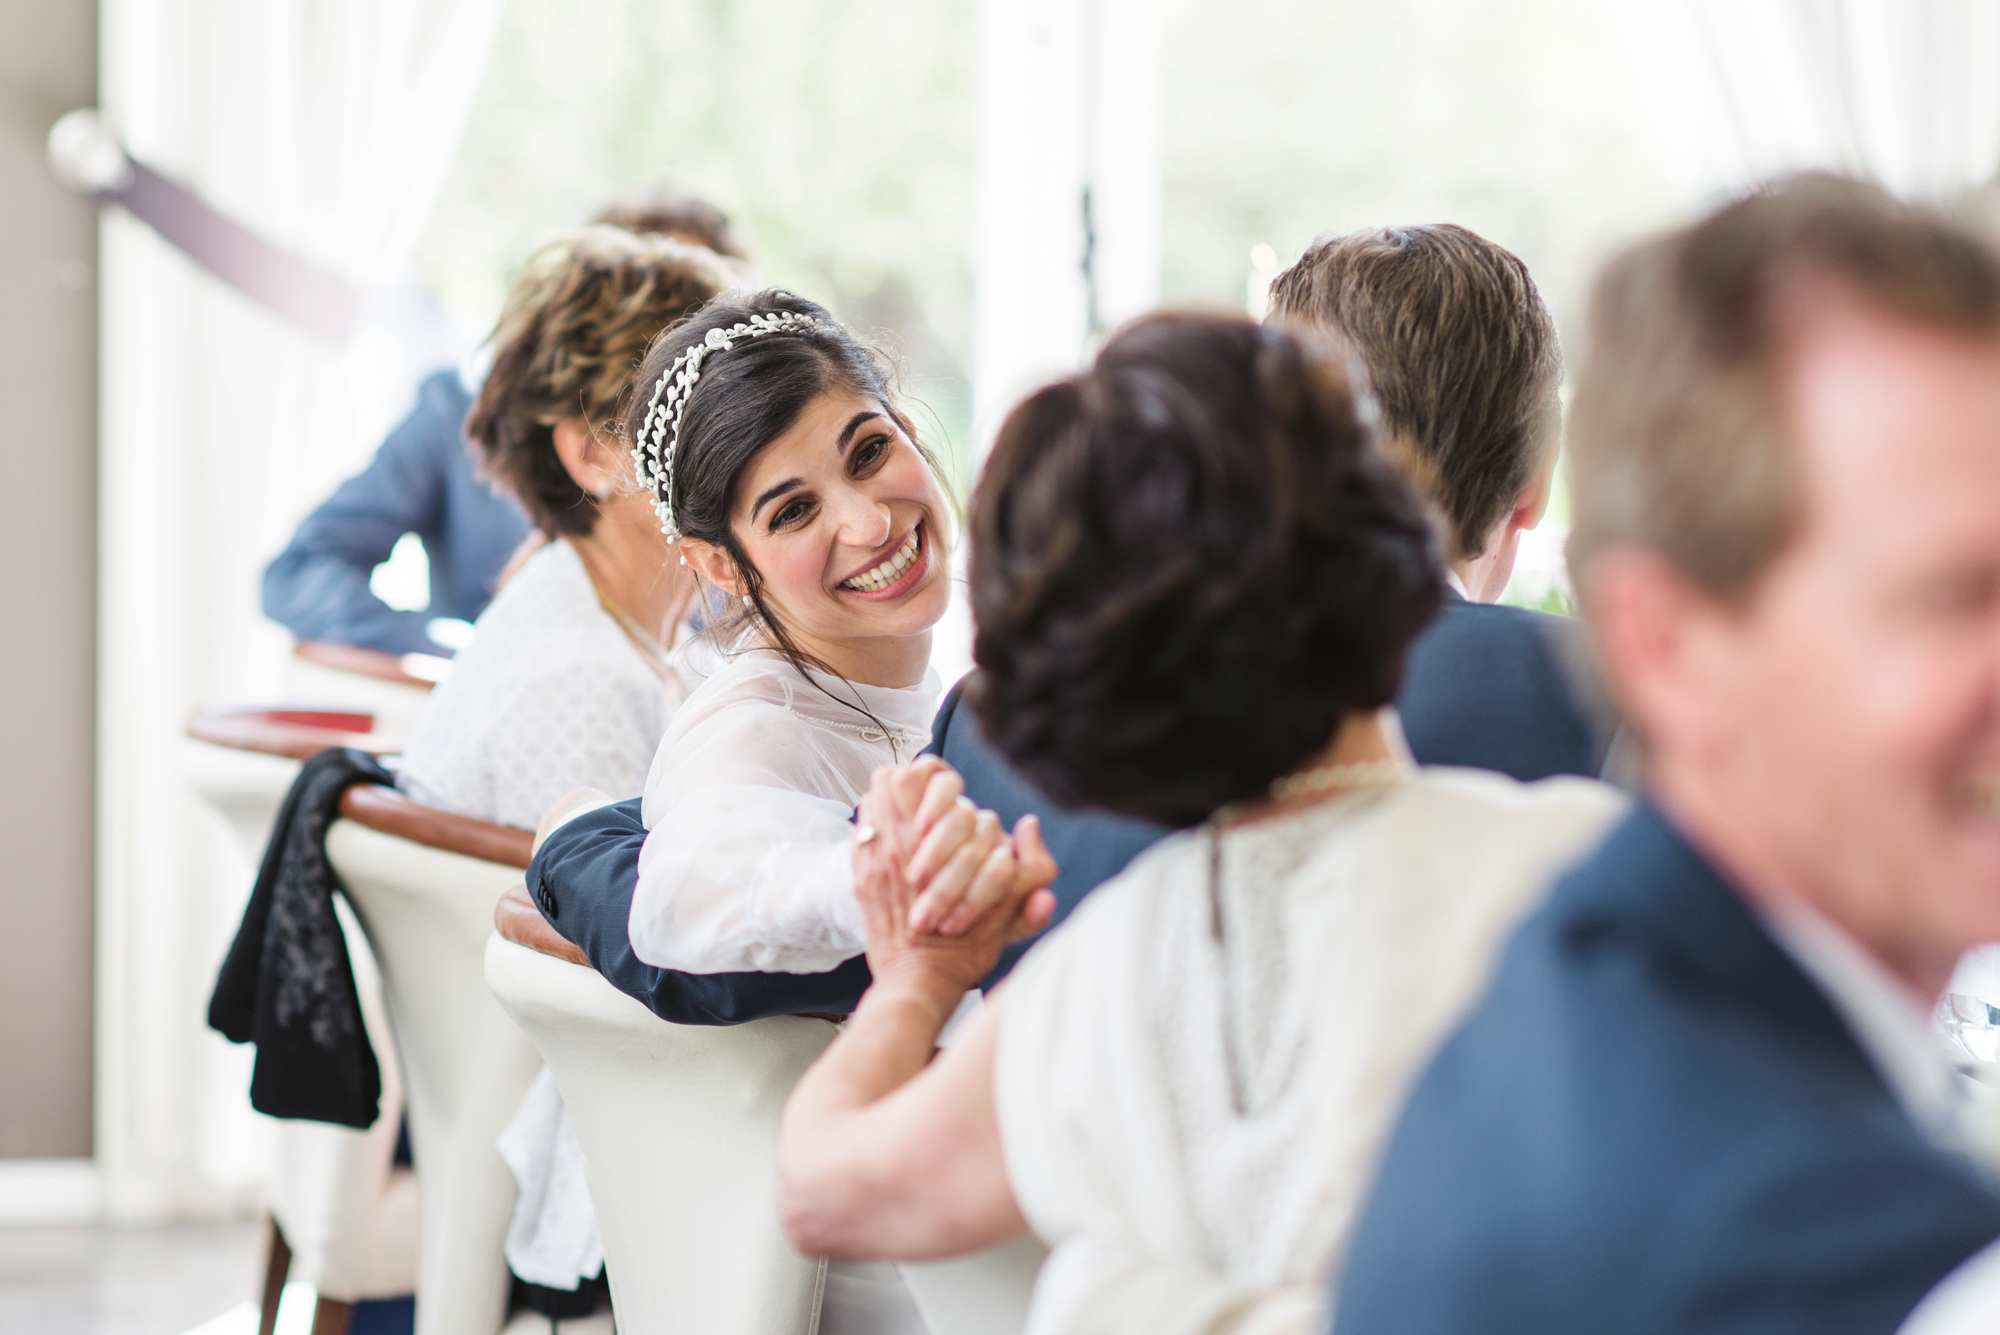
point(587, 872)
point(317, 587)
point(583, 880)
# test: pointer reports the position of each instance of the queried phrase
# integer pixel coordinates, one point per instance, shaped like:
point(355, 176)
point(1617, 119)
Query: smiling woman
point(777, 453)
point(798, 487)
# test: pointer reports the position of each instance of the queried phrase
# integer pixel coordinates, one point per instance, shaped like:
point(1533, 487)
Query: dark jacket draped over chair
point(286, 984)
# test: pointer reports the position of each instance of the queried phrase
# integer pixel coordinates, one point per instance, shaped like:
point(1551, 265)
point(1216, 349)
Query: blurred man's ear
point(1533, 502)
point(1662, 645)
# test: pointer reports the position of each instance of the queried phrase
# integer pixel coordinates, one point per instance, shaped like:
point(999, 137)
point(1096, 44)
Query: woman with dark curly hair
point(1195, 578)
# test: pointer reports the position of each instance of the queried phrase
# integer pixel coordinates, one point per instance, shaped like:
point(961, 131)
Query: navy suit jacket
point(585, 874)
point(422, 480)
point(1488, 687)
point(1655, 1122)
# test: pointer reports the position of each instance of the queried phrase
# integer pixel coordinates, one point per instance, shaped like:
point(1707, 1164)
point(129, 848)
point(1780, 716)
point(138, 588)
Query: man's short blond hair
point(1675, 440)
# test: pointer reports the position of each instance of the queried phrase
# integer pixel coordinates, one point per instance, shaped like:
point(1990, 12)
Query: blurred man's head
point(1464, 361)
point(1785, 454)
point(684, 217)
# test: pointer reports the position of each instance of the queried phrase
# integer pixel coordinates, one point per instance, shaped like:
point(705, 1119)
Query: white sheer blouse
point(1193, 1086)
point(747, 811)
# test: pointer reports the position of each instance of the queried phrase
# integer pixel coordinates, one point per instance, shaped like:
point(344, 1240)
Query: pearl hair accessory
point(660, 434)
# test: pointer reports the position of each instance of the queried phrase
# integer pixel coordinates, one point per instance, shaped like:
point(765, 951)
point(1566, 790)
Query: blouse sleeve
point(746, 870)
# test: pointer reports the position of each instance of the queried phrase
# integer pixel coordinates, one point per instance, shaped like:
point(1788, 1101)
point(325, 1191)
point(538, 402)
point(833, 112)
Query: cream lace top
point(1194, 1075)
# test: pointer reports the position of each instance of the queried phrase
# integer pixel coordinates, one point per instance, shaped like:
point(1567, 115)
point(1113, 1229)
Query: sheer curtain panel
point(327, 125)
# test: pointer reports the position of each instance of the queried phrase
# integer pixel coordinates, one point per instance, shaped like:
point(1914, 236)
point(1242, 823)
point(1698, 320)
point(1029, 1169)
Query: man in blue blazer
point(1704, 1091)
point(1463, 358)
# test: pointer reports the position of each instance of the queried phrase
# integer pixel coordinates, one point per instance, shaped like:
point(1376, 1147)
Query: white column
point(1123, 170)
point(1028, 271)
point(1068, 196)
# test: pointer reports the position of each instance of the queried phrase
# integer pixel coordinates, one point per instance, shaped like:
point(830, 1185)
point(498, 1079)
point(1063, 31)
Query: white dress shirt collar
point(1894, 1029)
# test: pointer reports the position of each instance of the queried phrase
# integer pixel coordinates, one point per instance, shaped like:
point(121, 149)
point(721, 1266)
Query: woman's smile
point(894, 575)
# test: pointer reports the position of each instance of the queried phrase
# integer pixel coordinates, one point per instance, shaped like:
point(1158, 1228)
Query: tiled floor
point(194, 1279)
point(125, 1281)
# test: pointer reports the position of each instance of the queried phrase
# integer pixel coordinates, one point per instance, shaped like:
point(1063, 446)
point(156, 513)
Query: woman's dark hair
point(746, 398)
point(1190, 563)
point(577, 319)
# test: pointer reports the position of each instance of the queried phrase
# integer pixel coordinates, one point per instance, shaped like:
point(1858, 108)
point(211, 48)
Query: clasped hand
point(943, 886)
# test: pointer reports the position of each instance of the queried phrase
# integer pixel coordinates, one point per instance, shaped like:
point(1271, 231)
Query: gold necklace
point(1355, 775)
point(1348, 778)
point(656, 654)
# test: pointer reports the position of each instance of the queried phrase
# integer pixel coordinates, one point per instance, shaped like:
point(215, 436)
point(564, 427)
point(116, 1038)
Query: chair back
point(241, 761)
point(348, 1215)
point(986, 1293)
point(423, 883)
point(396, 688)
point(679, 1129)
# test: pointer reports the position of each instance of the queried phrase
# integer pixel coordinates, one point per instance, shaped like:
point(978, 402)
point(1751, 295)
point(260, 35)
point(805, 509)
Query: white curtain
point(328, 125)
point(1905, 93)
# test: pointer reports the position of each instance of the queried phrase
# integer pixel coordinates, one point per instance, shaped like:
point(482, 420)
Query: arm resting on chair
point(882, 1155)
point(583, 878)
point(516, 919)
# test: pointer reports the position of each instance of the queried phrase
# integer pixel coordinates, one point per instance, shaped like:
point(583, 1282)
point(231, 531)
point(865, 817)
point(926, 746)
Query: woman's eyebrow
point(772, 492)
point(853, 425)
point(778, 489)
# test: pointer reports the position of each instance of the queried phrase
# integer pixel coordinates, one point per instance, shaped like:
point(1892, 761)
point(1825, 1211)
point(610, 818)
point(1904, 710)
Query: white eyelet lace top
point(550, 696)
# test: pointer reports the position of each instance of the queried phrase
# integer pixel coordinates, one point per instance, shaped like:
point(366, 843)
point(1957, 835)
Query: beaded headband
point(659, 435)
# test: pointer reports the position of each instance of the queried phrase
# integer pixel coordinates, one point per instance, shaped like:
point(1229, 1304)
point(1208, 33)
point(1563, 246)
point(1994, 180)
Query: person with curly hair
point(567, 682)
point(570, 680)
point(1196, 577)
point(422, 482)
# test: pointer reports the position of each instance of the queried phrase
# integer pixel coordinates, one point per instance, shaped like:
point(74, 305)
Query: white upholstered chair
point(678, 1125)
point(423, 883)
point(689, 1114)
point(393, 687)
point(240, 762)
point(986, 1293)
point(343, 1216)
point(1967, 1303)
